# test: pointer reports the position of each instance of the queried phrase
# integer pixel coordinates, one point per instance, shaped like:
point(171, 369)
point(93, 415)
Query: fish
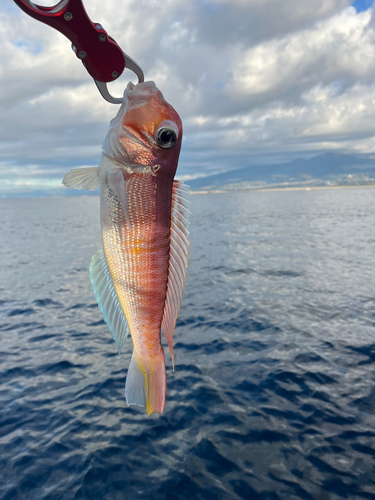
point(139, 275)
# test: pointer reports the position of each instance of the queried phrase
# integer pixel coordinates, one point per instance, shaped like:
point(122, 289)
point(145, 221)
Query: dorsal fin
point(178, 261)
point(106, 297)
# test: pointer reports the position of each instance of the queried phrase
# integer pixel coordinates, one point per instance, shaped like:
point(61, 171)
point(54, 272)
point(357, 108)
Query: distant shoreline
point(59, 194)
point(266, 189)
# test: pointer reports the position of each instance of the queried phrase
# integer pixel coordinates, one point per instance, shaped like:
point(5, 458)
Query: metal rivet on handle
point(82, 54)
point(68, 16)
point(102, 37)
point(114, 74)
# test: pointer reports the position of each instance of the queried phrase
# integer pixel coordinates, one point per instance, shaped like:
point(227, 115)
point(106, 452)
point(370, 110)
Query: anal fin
point(106, 297)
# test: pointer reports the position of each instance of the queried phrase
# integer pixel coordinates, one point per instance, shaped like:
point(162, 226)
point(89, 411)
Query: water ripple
point(273, 395)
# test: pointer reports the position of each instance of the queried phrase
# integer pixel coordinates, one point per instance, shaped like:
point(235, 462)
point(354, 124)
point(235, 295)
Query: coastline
point(291, 188)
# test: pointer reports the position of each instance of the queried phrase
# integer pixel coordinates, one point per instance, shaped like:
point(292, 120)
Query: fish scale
point(138, 258)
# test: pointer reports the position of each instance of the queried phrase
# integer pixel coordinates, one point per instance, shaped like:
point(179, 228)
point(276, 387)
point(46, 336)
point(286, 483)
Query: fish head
point(147, 131)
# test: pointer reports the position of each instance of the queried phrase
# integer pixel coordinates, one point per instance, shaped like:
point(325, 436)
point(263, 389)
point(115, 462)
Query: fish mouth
point(136, 96)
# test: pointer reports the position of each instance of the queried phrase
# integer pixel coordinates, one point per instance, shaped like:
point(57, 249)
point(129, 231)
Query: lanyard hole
point(43, 9)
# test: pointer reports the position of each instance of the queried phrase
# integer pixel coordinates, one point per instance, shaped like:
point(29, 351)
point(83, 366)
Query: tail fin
point(146, 385)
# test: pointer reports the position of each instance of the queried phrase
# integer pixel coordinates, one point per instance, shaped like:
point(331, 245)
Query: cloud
point(253, 80)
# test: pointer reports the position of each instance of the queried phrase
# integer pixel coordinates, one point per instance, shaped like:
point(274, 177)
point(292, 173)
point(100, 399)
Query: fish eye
point(166, 134)
point(166, 137)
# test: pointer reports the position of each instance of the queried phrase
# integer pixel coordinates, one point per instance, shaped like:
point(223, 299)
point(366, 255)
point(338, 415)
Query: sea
point(273, 392)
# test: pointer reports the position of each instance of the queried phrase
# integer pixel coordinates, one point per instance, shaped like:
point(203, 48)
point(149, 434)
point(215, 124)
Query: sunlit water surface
point(273, 395)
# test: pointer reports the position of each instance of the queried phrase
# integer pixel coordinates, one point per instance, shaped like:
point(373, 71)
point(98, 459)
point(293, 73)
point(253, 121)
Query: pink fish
point(138, 276)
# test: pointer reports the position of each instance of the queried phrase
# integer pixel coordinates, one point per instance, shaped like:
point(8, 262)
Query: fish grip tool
point(99, 53)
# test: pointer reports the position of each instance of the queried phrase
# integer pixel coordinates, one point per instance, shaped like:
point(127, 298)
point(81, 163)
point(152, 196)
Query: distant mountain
point(325, 169)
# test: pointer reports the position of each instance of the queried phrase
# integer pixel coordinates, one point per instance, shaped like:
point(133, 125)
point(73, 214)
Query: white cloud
point(253, 80)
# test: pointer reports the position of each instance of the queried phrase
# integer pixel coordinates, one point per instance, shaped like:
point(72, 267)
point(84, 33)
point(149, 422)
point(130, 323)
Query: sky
point(254, 81)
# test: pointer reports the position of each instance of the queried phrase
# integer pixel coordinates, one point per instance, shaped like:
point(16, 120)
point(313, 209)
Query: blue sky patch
point(361, 5)
point(32, 47)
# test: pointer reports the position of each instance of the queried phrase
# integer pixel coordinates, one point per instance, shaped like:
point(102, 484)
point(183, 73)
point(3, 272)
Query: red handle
point(100, 54)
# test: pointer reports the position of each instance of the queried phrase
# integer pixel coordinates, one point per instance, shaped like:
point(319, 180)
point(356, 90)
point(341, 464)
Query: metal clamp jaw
point(99, 53)
point(102, 86)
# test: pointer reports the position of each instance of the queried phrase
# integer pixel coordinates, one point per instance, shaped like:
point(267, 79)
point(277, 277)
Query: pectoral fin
point(116, 182)
point(82, 178)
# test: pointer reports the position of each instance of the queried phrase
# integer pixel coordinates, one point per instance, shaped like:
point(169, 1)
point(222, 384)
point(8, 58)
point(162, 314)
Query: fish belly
point(138, 261)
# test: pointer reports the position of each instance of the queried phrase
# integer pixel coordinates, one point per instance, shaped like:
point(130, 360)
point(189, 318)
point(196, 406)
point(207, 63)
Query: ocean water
point(273, 393)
